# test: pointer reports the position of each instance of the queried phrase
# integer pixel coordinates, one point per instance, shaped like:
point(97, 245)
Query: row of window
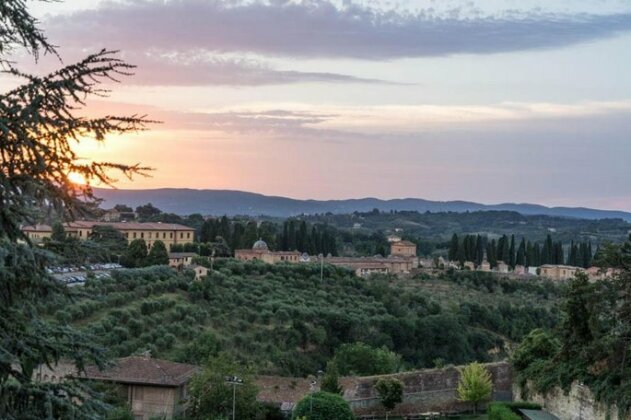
point(157, 235)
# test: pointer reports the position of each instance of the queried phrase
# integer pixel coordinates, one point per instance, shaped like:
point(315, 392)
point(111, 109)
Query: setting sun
point(77, 178)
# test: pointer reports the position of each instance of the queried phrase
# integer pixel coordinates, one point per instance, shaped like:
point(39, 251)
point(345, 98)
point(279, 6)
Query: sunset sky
point(489, 101)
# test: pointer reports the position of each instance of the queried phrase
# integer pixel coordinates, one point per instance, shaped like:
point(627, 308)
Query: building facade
point(261, 252)
point(403, 249)
point(153, 388)
point(559, 272)
point(168, 233)
point(181, 259)
point(37, 233)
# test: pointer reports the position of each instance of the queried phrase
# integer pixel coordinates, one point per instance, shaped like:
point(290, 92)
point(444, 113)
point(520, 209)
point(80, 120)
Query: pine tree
point(40, 119)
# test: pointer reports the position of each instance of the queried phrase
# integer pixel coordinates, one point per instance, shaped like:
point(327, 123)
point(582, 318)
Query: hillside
point(219, 202)
point(284, 321)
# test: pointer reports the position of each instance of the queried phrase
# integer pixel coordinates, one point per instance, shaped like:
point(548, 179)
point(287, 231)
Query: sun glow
point(77, 178)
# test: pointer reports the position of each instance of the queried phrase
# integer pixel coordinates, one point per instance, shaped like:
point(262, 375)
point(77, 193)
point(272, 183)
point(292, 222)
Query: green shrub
point(323, 406)
point(509, 410)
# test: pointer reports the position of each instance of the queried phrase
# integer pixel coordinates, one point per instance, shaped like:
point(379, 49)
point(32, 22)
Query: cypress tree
point(454, 245)
point(511, 252)
point(520, 258)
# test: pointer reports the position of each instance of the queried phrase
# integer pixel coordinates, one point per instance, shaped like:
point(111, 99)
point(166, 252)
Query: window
point(188, 235)
point(149, 235)
point(164, 235)
point(171, 235)
point(134, 235)
point(181, 235)
point(142, 234)
point(126, 234)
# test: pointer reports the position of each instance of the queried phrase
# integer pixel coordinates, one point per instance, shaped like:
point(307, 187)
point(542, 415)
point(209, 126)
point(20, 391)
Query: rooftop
point(129, 225)
point(144, 370)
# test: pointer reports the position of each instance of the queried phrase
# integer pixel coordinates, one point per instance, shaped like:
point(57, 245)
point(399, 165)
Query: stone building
point(261, 252)
point(200, 271)
point(181, 259)
point(403, 249)
point(485, 266)
point(558, 272)
point(152, 387)
point(502, 267)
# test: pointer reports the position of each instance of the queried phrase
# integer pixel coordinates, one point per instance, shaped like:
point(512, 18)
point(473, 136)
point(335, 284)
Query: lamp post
point(312, 387)
point(234, 381)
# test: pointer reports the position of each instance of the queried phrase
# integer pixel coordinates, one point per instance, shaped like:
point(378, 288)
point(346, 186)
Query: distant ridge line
point(233, 202)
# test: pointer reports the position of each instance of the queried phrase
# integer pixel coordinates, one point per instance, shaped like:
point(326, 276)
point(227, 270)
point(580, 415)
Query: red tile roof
point(129, 225)
point(144, 370)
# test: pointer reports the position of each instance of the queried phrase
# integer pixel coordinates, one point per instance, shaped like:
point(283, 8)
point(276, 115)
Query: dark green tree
point(330, 380)
point(362, 359)
point(158, 254)
point(454, 245)
point(40, 120)
point(323, 406)
point(136, 255)
point(211, 395)
point(59, 232)
point(147, 211)
point(390, 391)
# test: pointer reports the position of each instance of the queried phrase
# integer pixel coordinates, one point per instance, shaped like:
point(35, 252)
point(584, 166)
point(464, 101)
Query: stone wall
point(578, 404)
point(431, 390)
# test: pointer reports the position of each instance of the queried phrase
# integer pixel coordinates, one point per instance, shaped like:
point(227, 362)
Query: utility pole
point(234, 381)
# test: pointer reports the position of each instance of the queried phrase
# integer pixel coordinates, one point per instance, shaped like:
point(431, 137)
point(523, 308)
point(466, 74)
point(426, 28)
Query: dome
point(260, 244)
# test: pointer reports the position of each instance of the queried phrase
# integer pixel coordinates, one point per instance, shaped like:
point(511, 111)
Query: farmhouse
point(152, 387)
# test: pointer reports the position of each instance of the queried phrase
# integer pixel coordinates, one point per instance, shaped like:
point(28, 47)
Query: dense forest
point(285, 321)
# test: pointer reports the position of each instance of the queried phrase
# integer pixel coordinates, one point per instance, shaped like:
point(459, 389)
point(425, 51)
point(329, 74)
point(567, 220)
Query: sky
point(489, 101)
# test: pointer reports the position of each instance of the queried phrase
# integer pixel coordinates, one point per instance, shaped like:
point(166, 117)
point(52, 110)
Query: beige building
point(559, 272)
point(152, 387)
point(37, 233)
point(393, 265)
point(169, 233)
point(402, 263)
point(261, 252)
point(502, 267)
point(403, 249)
point(485, 266)
point(520, 269)
point(200, 271)
point(181, 259)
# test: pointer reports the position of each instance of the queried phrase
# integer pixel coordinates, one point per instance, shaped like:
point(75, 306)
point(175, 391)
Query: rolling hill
point(219, 202)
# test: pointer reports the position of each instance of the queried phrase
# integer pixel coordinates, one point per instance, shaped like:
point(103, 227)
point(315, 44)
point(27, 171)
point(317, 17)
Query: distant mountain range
point(219, 202)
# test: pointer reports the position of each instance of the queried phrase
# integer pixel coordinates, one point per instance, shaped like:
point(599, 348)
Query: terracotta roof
point(129, 225)
point(182, 254)
point(37, 228)
point(144, 370)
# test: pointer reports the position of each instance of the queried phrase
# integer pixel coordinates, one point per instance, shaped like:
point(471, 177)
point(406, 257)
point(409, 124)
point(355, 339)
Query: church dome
point(260, 244)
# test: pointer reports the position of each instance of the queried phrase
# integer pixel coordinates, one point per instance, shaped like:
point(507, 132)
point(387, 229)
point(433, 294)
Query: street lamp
point(234, 381)
point(312, 387)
